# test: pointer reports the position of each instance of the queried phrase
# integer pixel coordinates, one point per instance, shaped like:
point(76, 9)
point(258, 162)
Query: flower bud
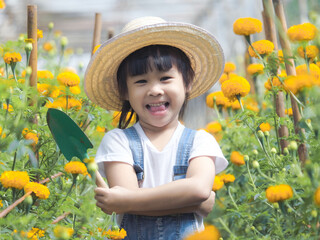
point(314, 213)
point(273, 150)
point(283, 169)
point(28, 70)
point(293, 145)
point(28, 47)
point(255, 164)
point(246, 158)
point(255, 151)
point(267, 134)
point(50, 25)
point(92, 167)
point(28, 200)
point(64, 41)
point(285, 151)
point(276, 205)
point(260, 134)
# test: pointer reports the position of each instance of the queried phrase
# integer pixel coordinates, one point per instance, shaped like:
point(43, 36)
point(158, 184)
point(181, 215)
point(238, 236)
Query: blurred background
point(74, 19)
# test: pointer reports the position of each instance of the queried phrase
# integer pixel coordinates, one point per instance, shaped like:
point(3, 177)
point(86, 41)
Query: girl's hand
point(206, 207)
point(112, 199)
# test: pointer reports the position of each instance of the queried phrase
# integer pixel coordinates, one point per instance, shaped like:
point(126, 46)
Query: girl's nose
point(155, 90)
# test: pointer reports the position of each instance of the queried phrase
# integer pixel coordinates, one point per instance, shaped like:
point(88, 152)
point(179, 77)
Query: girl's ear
point(188, 89)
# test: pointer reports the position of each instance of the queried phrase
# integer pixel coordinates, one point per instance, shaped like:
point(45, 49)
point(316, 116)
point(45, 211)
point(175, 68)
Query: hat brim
point(203, 50)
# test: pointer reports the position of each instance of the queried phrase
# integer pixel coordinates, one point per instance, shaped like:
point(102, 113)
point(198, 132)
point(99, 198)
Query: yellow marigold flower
point(33, 234)
point(255, 69)
point(288, 111)
point(63, 232)
point(247, 26)
point(2, 134)
point(2, 4)
point(314, 70)
point(265, 127)
point(29, 40)
point(61, 102)
point(75, 167)
point(75, 90)
point(236, 86)
point(30, 135)
point(1, 72)
point(275, 83)
point(311, 52)
point(217, 183)
point(229, 67)
point(280, 56)
point(9, 107)
point(116, 118)
point(237, 158)
point(48, 90)
point(302, 32)
point(69, 69)
point(115, 234)
point(44, 74)
point(227, 178)
point(39, 33)
point(235, 105)
point(299, 82)
point(317, 197)
point(14, 179)
point(279, 193)
point(12, 58)
point(226, 76)
point(214, 127)
point(47, 46)
point(96, 48)
point(1, 204)
point(101, 129)
point(263, 47)
point(220, 99)
point(210, 232)
point(41, 191)
point(68, 79)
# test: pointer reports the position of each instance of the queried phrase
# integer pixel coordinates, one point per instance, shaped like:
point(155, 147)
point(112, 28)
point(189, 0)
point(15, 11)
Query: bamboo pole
point(32, 33)
point(290, 69)
point(270, 32)
point(97, 31)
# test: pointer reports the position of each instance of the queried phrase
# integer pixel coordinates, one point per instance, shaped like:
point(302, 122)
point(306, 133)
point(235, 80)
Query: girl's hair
point(161, 57)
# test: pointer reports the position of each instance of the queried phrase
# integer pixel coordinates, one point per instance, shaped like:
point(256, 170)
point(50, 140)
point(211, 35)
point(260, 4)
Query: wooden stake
point(270, 32)
point(32, 33)
point(290, 69)
point(97, 31)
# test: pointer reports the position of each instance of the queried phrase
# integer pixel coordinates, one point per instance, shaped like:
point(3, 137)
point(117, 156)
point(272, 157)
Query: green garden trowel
point(70, 139)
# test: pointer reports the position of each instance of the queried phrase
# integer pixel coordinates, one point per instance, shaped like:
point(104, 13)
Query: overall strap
point(136, 149)
point(183, 153)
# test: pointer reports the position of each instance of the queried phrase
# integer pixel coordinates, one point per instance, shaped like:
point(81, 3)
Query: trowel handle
point(99, 181)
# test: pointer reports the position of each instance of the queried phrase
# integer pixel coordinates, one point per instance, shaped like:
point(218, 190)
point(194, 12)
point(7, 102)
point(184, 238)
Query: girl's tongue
point(157, 107)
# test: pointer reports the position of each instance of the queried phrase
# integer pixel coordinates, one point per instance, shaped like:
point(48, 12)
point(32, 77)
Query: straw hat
point(200, 46)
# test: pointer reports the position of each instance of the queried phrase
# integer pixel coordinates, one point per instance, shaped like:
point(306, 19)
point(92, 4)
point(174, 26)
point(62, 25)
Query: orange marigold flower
point(44, 74)
point(227, 178)
point(275, 83)
point(2, 4)
point(217, 184)
point(279, 193)
point(12, 58)
point(237, 158)
point(263, 47)
point(210, 232)
point(96, 48)
point(296, 83)
point(288, 111)
point(75, 90)
point(218, 97)
point(68, 79)
point(235, 105)
point(14, 179)
point(317, 197)
point(39, 33)
point(101, 129)
point(265, 127)
point(47, 46)
point(33, 234)
point(75, 167)
point(226, 76)
point(63, 232)
point(236, 86)
point(115, 234)
point(30, 135)
point(116, 118)
point(214, 127)
point(2, 134)
point(9, 107)
point(40, 190)
point(314, 70)
point(302, 32)
point(311, 52)
point(48, 90)
point(247, 26)
point(255, 69)
point(280, 56)
point(229, 67)
point(1, 204)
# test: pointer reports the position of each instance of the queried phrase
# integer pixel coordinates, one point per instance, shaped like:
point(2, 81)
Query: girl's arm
point(181, 195)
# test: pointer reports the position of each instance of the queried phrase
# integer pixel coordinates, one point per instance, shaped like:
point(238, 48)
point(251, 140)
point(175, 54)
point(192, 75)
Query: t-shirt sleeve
point(205, 144)
point(114, 147)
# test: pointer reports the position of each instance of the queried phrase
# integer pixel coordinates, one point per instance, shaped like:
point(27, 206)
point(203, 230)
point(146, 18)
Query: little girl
point(160, 173)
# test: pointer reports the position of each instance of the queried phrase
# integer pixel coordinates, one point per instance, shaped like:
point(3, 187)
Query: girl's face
point(157, 97)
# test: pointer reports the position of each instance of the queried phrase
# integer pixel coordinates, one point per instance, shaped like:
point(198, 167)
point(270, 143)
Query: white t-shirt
point(158, 165)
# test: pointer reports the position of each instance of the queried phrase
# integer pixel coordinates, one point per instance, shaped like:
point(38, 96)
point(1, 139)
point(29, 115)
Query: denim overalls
point(170, 227)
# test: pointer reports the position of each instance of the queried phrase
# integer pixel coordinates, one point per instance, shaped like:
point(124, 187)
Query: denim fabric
point(170, 227)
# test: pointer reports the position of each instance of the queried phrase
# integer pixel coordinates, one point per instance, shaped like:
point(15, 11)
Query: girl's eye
point(165, 78)
point(140, 81)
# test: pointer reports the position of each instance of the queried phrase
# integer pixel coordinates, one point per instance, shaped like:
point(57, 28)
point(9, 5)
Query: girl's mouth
point(157, 107)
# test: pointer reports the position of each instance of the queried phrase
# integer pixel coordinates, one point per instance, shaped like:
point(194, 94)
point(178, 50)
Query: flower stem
point(226, 228)
point(239, 99)
point(275, 120)
point(253, 184)
point(234, 203)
